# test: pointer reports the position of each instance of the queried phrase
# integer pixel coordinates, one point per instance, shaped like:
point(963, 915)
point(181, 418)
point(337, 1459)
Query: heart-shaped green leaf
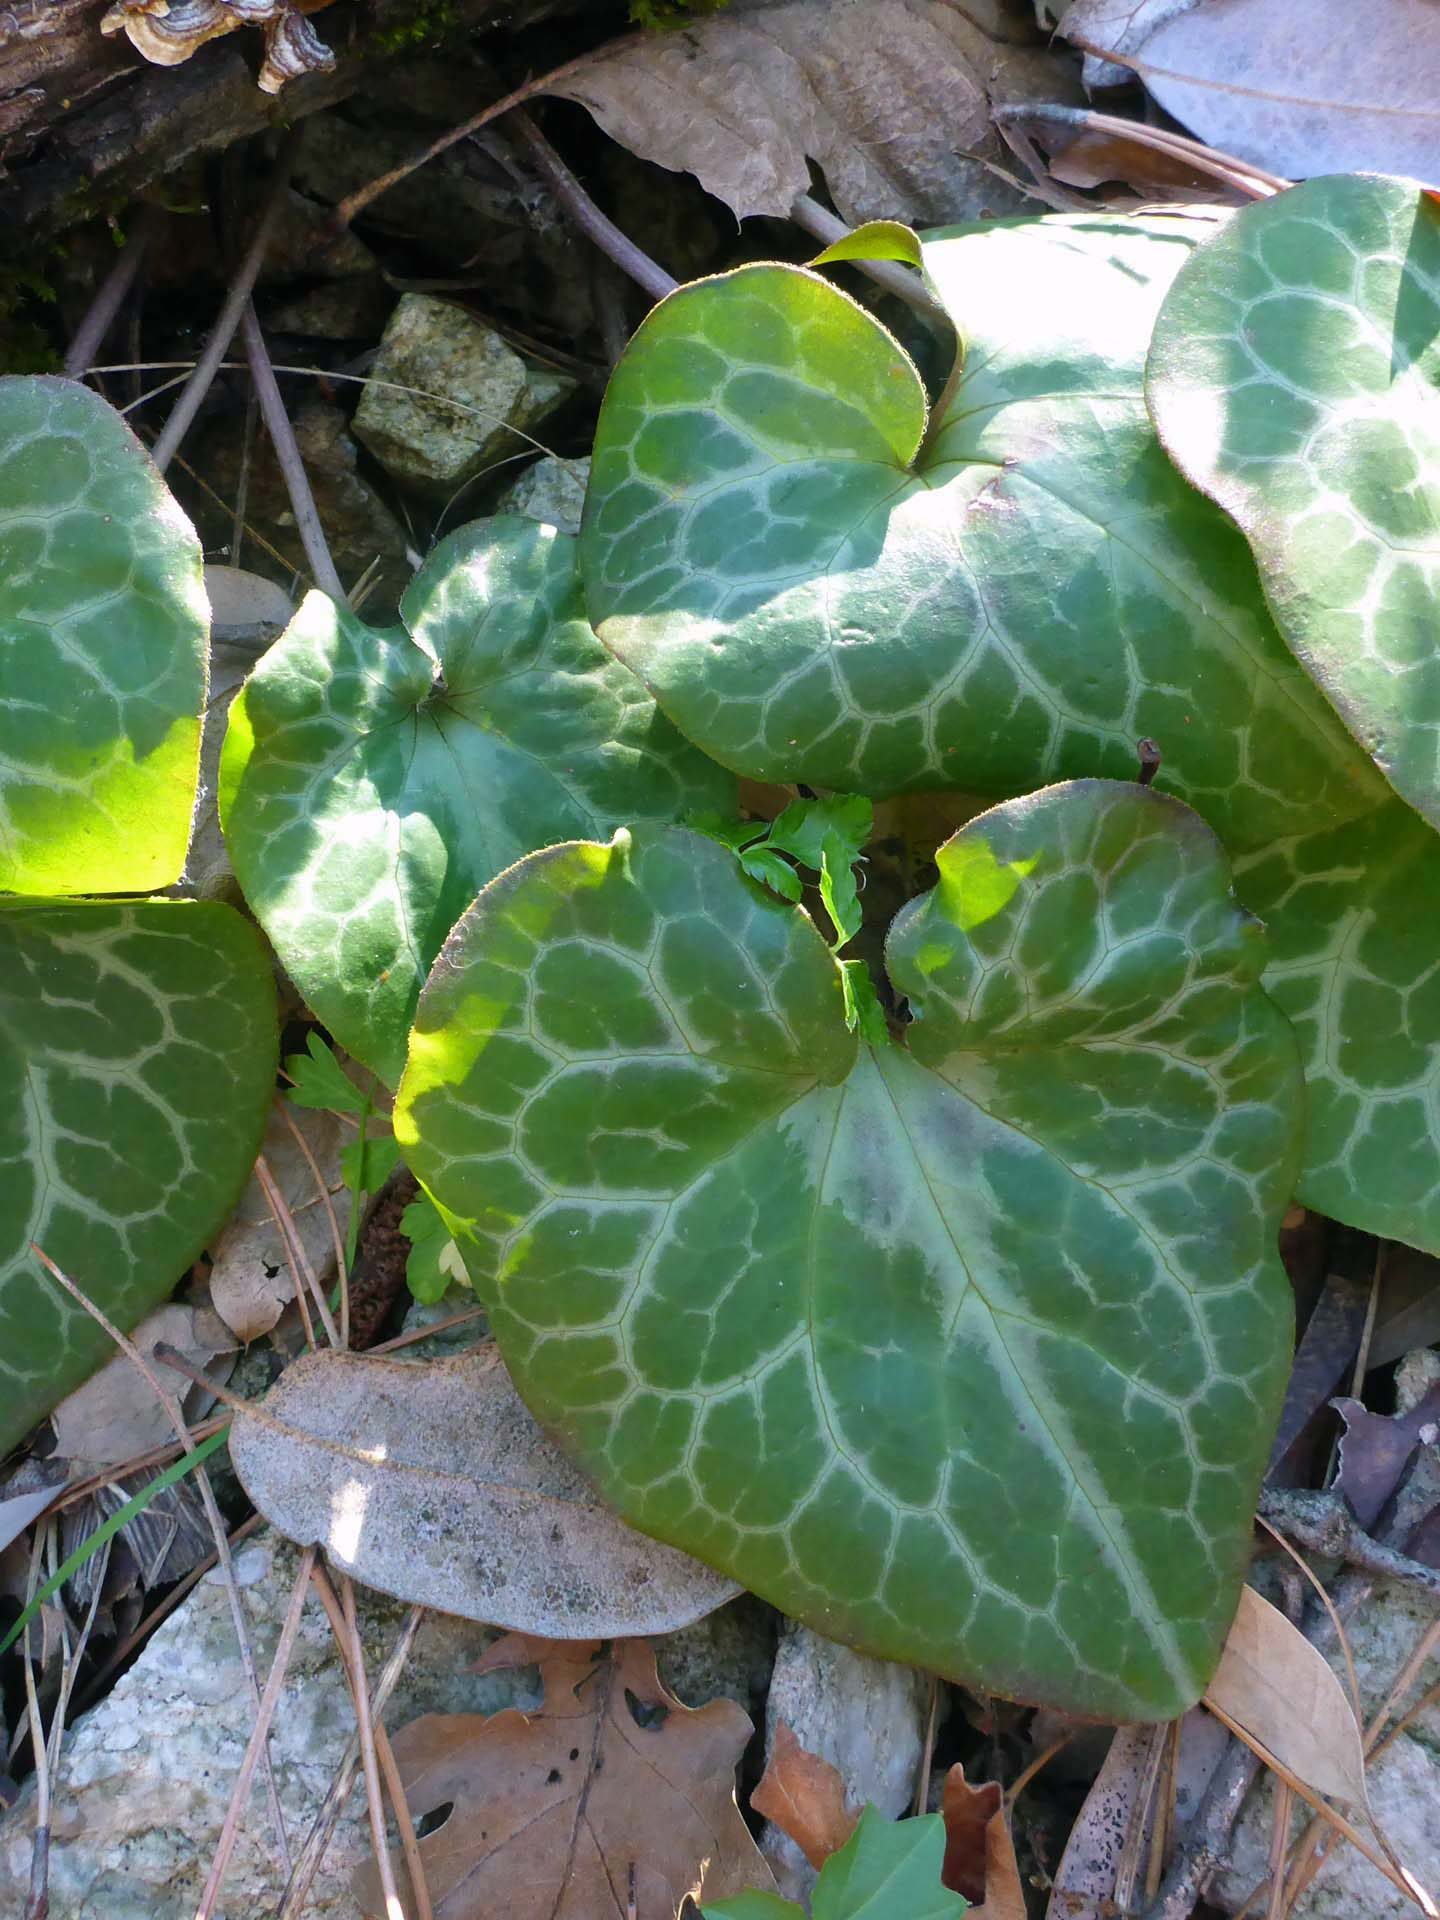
point(1354, 916)
point(886, 1870)
point(1036, 594)
point(137, 1059)
point(103, 630)
point(372, 782)
point(967, 1352)
point(1293, 378)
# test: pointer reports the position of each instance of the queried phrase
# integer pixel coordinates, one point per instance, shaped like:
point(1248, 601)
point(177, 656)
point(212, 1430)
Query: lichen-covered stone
point(465, 390)
point(866, 1717)
point(550, 489)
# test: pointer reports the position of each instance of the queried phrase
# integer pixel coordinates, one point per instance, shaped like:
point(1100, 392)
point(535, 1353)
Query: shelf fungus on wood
point(166, 34)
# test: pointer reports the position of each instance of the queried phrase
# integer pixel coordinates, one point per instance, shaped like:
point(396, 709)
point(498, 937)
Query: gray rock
point(438, 349)
point(552, 490)
point(727, 1655)
point(146, 1776)
point(866, 1717)
point(1404, 1784)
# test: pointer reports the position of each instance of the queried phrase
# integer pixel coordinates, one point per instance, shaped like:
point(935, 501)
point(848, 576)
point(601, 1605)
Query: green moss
point(421, 25)
point(659, 14)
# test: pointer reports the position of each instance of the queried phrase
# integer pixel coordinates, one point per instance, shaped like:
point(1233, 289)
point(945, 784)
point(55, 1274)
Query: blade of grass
point(107, 1530)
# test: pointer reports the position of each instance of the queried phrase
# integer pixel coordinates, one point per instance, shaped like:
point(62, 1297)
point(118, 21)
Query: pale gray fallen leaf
point(1280, 1688)
point(115, 1415)
point(891, 98)
point(245, 606)
point(1299, 87)
point(1084, 1883)
point(20, 1509)
point(433, 1483)
point(251, 1282)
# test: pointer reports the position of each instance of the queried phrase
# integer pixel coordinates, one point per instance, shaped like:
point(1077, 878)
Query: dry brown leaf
point(1299, 87)
point(115, 1416)
point(890, 97)
point(1273, 1683)
point(251, 1282)
point(562, 1814)
point(432, 1482)
point(979, 1850)
point(805, 1797)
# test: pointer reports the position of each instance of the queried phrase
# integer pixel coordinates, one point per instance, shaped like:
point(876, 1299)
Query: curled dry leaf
point(612, 1787)
point(805, 1797)
point(979, 1851)
point(891, 99)
point(433, 1483)
point(251, 1281)
point(1299, 87)
point(1376, 1450)
point(115, 1416)
point(1279, 1689)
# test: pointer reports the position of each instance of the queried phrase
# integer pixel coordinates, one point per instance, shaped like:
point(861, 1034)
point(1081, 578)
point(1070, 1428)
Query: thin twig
point(1330, 1814)
point(297, 1888)
point(1279, 1842)
point(1324, 1523)
point(207, 1496)
point(337, 1238)
point(302, 1271)
point(426, 1333)
point(259, 1736)
point(597, 227)
point(808, 213)
point(927, 1751)
point(287, 454)
point(38, 1903)
point(1027, 1774)
point(1208, 1838)
point(355, 203)
point(409, 1840)
point(181, 415)
point(347, 1637)
point(1228, 167)
point(90, 335)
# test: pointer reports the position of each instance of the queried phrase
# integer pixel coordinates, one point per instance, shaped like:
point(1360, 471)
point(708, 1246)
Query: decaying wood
point(85, 122)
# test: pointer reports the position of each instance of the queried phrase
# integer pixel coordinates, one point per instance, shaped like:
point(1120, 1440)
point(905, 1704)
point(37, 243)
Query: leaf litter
point(612, 1800)
point(434, 1483)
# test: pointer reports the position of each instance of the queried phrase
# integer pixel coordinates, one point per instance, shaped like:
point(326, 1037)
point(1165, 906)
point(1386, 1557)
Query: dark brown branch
point(287, 453)
point(597, 227)
point(91, 332)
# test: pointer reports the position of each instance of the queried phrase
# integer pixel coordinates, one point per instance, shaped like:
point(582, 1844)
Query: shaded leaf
point(373, 781)
point(115, 1415)
point(103, 628)
point(1293, 379)
point(893, 1306)
point(1298, 87)
point(887, 1868)
point(137, 1060)
point(805, 1797)
point(367, 1163)
point(318, 1080)
point(1377, 1448)
point(434, 1261)
point(551, 1812)
point(1277, 1686)
point(891, 100)
point(251, 1281)
point(433, 1483)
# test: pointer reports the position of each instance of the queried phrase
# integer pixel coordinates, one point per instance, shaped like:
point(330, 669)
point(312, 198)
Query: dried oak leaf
point(979, 1851)
point(1376, 1450)
point(612, 1799)
point(805, 1797)
point(891, 99)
